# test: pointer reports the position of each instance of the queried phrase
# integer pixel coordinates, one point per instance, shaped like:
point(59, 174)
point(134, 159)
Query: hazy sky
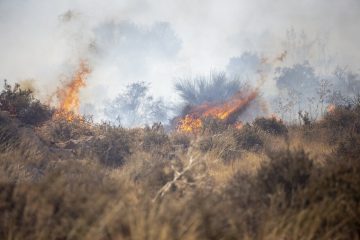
point(158, 41)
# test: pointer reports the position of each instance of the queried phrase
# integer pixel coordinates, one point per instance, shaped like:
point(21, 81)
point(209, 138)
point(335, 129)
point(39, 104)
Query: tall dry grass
point(61, 180)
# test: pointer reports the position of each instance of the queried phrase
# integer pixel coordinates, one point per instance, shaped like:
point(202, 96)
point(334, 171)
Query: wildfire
point(331, 108)
point(68, 96)
point(189, 124)
point(226, 112)
point(239, 125)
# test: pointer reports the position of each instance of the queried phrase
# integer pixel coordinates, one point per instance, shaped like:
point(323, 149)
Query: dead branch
point(177, 176)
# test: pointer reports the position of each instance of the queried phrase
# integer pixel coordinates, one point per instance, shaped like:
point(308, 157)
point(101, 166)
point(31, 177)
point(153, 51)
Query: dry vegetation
point(79, 180)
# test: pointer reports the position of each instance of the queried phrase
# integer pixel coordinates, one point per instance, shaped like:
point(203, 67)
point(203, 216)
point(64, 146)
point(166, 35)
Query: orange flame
point(226, 112)
point(69, 101)
point(238, 125)
point(331, 108)
point(189, 124)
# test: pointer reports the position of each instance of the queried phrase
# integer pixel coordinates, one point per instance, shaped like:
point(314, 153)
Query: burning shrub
point(212, 105)
point(248, 138)
point(200, 90)
point(22, 104)
point(271, 125)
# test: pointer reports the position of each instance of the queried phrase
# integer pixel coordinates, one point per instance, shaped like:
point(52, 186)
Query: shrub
point(113, 146)
point(286, 171)
point(213, 126)
point(225, 146)
point(61, 130)
point(155, 139)
point(246, 202)
point(271, 125)
point(22, 104)
point(9, 135)
point(326, 209)
point(181, 140)
point(205, 143)
point(340, 122)
point(248, 138)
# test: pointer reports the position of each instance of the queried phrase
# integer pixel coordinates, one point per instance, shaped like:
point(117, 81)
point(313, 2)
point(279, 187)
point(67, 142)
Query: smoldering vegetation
point(266, 180)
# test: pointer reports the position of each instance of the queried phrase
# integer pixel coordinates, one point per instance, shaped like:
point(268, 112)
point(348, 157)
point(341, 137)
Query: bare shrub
point(113, 147)
point(182, 140)
point(340, 122)
point(286, 171)
point(156, 140)
point(248, 138)
point(271, 125)
point(213, 126)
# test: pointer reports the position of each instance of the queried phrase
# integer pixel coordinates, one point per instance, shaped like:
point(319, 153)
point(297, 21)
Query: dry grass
point(83, 181)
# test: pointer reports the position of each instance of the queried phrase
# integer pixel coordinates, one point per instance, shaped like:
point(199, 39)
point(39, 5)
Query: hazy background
point(160, 41)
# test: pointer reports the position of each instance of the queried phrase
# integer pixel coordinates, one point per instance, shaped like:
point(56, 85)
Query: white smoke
point(159, 41)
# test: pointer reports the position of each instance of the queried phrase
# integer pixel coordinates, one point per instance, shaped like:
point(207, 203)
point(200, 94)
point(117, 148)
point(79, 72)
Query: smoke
point(135, 107)
point(159, 41)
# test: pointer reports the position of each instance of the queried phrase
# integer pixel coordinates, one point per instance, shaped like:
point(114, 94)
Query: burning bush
point(22, 105)
point(216, 103)
point(216, 88)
